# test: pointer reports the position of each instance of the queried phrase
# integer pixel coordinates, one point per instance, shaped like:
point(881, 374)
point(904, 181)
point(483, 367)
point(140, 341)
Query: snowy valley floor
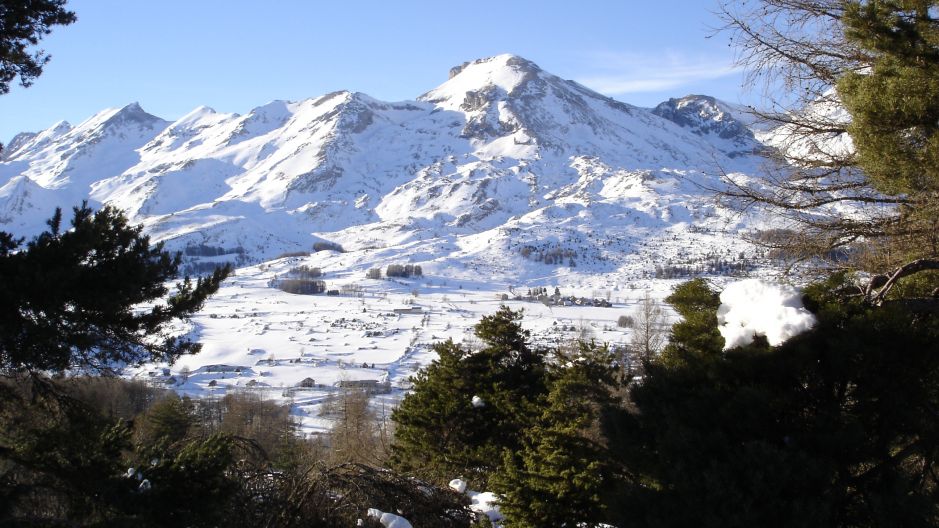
point(301, 349)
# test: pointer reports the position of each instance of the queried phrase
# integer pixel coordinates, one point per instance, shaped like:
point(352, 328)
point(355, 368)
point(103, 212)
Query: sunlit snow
point(754, 307)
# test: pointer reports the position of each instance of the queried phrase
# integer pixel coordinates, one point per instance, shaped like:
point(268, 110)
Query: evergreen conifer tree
point(559, 475)
point(466, 407)
point(695, 336)
point(835, 427)
point(69, 298)
point(23, 23)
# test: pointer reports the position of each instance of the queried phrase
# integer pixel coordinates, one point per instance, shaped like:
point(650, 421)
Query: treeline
point(108, 452)
point(404, 271)
point(326, 245)
point(194, 266)
point(301, 280)
point(549, 255)
point(831, 428)
point(396, 270)
point(203, 268)
point(305, 272)
point(203, 250)
point(715, 266)
point(300, 286)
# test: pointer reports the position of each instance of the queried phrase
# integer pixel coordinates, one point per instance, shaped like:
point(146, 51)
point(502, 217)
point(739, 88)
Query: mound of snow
point(753, 307)
point(389, 520)
point(458, 485)
point(485, 502)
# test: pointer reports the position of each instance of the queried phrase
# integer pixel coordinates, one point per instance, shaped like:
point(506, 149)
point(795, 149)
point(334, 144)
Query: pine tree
point(832, 428)
point(69, 298)
point(190, 482)
point(695, 336)
point(165, 424)
point(64, 463)
point(466, 407)
point(893, 104)
point(58, 457)
point(22, 24)
point(559, 476)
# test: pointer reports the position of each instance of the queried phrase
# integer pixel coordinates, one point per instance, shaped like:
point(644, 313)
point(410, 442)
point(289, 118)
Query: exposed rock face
point(18, 141)
point(705, 116)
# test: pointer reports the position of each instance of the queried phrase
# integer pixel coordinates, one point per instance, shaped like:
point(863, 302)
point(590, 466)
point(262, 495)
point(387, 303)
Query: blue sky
point(174, 55)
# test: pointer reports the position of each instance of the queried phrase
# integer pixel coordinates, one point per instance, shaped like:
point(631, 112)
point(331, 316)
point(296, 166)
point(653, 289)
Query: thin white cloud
point(624, 73)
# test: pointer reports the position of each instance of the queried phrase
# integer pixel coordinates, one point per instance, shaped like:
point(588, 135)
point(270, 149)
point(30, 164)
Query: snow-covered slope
point(503, 166)
point(713, 119)
point(502, 179)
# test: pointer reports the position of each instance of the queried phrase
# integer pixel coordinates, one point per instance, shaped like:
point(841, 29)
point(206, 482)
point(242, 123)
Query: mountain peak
point(31, 140)
point(704, 115)
point(199, 116)
point(504, 73)
point(131, 115)
point(16, 143)
point(503, 60)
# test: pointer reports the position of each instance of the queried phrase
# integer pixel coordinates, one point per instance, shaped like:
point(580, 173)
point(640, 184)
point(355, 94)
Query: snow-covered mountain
point(503, 179)
point(713, 119)
point(504, 167)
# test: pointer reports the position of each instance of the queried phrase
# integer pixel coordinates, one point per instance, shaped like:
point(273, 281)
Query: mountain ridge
point(501, 150)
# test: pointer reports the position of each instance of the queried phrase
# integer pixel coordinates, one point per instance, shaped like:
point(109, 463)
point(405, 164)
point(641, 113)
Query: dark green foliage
point(534, 435)
point(23, 23)
point(695, 337)
point(62, 460)
point(836, 427)
point(895, 121)
point(58, 459)
point(894, 108)
point(194, 463)
point(879, 60)
point(403, 270)
point(327, 246)
point(68, 298)
point(300, 286)
point(559, 475)
point(190, 482)
point(440, 434)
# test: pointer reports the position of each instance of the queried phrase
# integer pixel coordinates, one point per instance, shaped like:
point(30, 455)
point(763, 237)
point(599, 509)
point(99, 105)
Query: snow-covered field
point(258, 338)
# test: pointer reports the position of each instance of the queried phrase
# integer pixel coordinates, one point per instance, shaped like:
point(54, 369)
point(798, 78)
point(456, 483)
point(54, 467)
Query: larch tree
point(855, 121)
